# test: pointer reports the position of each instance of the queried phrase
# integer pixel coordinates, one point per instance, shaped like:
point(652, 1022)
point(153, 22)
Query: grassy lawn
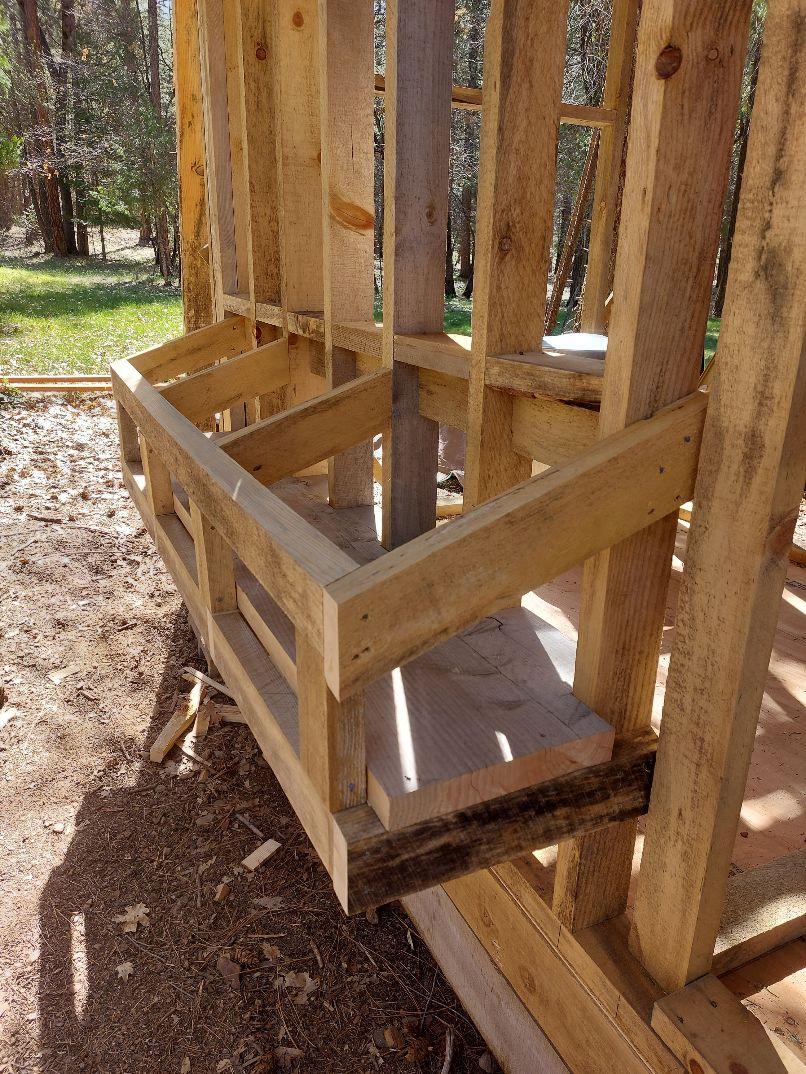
point(77, 315)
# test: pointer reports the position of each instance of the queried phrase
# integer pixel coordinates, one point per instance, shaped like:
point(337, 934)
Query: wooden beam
point(220, 209)
point(288, 556)
point(197, 281)
point(709, 1030)
point(287, 443)
point(419, 58)
point(515, 220)
point(215, 569)
point(764, 908)
point(670, 228)
point(391, 610)
point(159, 489)
point(606, 189)
point(234, 381)
point(551, 432)
point(382, 865)
point(747, 493)
point(331, 734)
point(186, 354)
point(346, 39)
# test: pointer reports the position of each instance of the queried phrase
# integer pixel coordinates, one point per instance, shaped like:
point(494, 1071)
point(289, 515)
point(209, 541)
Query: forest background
point(89, 224)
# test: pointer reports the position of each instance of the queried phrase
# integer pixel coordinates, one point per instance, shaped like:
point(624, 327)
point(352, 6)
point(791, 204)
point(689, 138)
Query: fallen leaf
point(185, 1068)
point(487, 1063)
point(270, 902)
point(272, 953)
point(125, 970)
point(229, 970)
point(417, 1051)
point(221, 893)
point(372, 916)
point(286, 1056)
point(302, 983)
point(134, 916)
point(393, 1037)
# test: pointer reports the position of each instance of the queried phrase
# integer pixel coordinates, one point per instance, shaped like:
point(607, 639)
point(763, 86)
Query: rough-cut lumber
point(288, 442)
point(419, 55)
point(551, 432)
point(747, 495)
point(616, 98)
point(514, 230)
point(234, 381)
point(382, 865)
point(215, 569)
point(509, 1031)
point(260, 854)
point(573, 378)
point(188, 353)
point(177, 725)
point(391, 610)
point(670, 226)
point(764, 908)
point(194, 232)
point(707, 1027)
point(283, 552)
point(347, 59)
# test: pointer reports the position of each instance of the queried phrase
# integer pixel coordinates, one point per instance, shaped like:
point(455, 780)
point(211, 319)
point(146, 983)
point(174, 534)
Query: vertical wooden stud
point(331, 733)
point(688, 77)
point(197, 283)
point(419, 54)
point(346, 31)
point(159, 487)
point(611, 149)
point(515, 217)
point(214, 565)
point(749, 484)
point(127, 436)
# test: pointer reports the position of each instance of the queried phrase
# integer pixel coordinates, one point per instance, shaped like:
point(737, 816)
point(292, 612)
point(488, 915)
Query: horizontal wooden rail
point(326, 425)
point(470, 99)
point(186, 354)
point(234, 381)
point(381, 865)
point(389, 611)
point(287, 555)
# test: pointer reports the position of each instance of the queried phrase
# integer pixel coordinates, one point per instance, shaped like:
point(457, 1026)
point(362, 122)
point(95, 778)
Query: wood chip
point(263, 852)
point(59, 676)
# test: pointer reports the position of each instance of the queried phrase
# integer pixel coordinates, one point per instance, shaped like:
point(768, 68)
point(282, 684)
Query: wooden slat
point(616, 98)
point(515, 221)
point(284, 553)
point(348, 176)
point(288, 442)
point(159, 489)
point(385, 865)
point(670, 227)
point(709, 1030)
point(230, 41)
point(186, 354)
point(419, 56)
point(551, 432)
point(234, 381)
point(197, 282)
point(764, 908)
point(414, 597)
point(747, 495)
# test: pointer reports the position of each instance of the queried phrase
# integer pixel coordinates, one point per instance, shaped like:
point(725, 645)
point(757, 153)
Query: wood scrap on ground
point(178, 724)
point(199, 676)
point(257, 857)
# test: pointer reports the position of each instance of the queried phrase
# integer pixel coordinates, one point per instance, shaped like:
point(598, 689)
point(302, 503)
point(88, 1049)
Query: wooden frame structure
point(331, 643)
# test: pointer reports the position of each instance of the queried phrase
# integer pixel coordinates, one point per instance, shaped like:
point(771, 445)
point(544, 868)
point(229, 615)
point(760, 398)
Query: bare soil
point(275, 977)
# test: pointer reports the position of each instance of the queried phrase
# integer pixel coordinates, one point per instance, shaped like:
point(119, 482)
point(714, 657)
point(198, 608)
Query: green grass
point(77, 315)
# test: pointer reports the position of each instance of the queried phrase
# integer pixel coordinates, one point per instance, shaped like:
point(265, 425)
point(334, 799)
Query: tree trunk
point(464, 228)
point(450, 286)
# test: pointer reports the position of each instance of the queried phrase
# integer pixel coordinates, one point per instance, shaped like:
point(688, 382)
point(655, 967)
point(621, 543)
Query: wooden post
point(127, 433)
point(331, 733)
point(348, 220)
point(214, 565)
point(669, 232)
point(419, 58)
point(217, 150)
point(750, 480)
point(159, 488)
point(516, 197)
point(611, 150)
point(197, 282)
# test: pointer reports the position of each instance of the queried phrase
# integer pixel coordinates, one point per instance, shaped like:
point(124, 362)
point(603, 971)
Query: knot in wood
point(668, 61)
point(260, 52)
point(430, 214)
point(505, 244)
point(713, 53)
point(298, 19)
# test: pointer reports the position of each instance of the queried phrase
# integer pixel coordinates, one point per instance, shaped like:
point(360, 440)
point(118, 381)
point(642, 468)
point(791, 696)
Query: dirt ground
point(91, 832)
